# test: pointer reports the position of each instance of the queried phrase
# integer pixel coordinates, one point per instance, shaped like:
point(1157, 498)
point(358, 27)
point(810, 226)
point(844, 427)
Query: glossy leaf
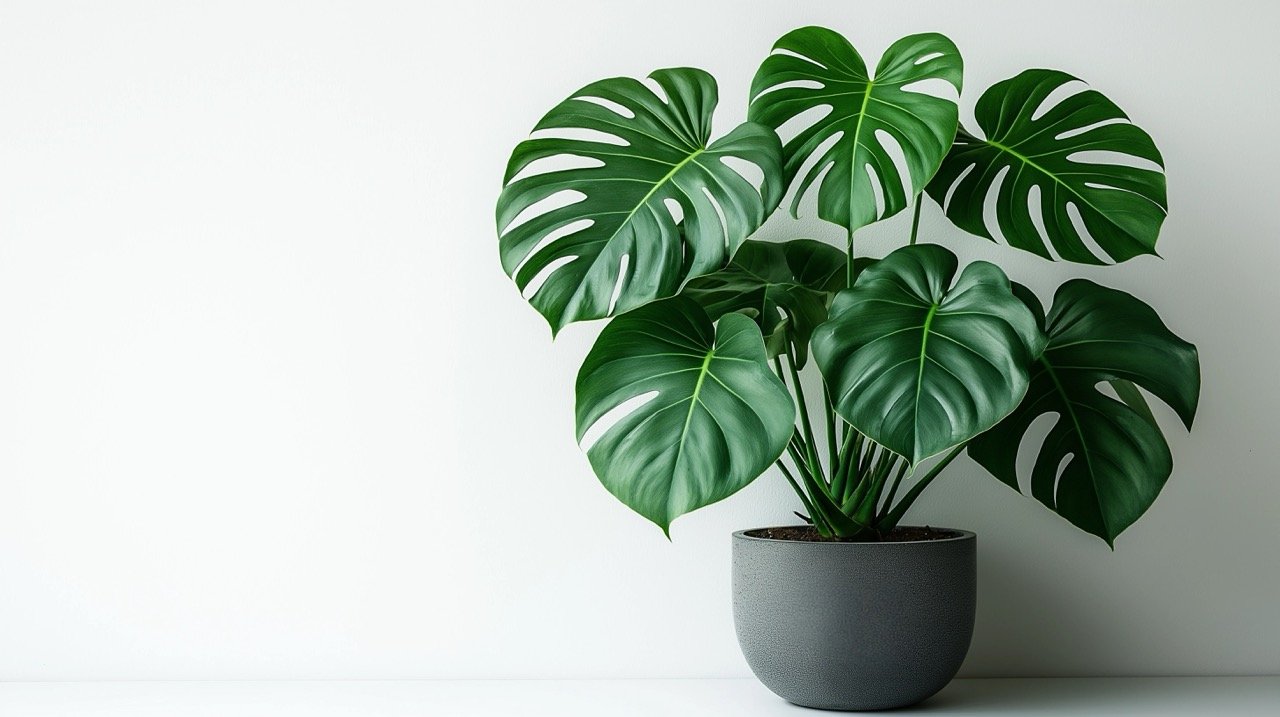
point(711, 415)
point(785, 287)
point(1046, 162)
point(1104, 460)
point(920, 360)
point(814, 68)
point(655, 204)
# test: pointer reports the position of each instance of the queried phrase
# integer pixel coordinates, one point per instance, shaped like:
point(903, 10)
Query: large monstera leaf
point(1104, 460)
point(785, 287)
point(655, 202)
point(711, 416)
point(1055, 169)
point(814, 68)
point(920, 360)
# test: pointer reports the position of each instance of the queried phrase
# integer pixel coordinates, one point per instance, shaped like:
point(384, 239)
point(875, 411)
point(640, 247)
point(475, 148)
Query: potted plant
point(621, 205)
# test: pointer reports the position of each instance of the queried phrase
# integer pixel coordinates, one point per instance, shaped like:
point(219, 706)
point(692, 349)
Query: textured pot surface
point(854, 626)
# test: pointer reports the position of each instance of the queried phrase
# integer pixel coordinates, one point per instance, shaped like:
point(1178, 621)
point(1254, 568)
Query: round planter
point(854, 626)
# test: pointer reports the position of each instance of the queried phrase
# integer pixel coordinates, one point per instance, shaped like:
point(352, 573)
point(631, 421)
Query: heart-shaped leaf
point(1059, 172)
point(654, 203)
point(703, 415)
point(785, 287)
point(919, 360)
point(866, 177)
point(1104, 460)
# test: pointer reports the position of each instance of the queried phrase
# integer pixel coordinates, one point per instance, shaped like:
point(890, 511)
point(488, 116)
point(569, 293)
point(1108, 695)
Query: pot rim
point(963, 535)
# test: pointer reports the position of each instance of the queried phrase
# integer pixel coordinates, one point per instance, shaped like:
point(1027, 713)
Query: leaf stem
point(915, 218)
point(865, 508)
point(840, 474)
point(833, 456)
point(827, 516)
point(868, 457)
point(850, 473)
point(805, 424)
point(893, 489)
point(854, 498)
point(804, 498)
point(848, 267)
point(895, 514)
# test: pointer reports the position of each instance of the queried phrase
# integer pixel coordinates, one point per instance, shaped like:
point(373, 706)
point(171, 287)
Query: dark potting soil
point(900, 534)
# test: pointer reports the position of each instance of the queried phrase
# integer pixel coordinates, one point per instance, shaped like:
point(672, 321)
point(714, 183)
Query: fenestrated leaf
point(919, 360)
point(719, 418)
point(1068, 156)
point(814, 67)
point(785, 287)
point(647, 154)
point(1104, 461)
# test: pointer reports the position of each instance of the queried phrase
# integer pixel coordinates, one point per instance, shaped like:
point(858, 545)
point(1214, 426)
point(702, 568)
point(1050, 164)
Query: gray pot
point(854, 626)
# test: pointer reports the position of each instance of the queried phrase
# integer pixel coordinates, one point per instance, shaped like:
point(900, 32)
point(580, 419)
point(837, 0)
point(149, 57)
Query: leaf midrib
point(644, 201)
point(1084, 447)
point(857, 142)
point(924, 344)
point(693, 405)
point(1031, 163)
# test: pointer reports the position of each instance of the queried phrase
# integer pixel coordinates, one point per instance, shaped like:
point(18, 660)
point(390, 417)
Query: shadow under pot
point(854, 625)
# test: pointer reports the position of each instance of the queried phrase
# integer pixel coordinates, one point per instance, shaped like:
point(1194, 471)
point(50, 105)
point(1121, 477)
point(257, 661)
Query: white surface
point(269, 408)
point(1156, 697)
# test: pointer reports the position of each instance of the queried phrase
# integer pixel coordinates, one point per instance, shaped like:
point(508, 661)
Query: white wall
point(269, 408)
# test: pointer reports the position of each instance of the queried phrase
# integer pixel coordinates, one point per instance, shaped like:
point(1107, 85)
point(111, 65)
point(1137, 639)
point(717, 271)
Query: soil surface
point(900, 534)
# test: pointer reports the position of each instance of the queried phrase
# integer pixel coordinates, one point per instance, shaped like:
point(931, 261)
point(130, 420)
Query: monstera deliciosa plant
point(621, 205)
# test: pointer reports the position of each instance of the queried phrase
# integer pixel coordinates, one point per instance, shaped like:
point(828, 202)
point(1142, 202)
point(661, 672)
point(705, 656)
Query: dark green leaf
point(919, 360)
point(659, 155)
point(719, 418)
point(786, 288)
point(1104, 461)
point(821, 69)
point(1041, 174)
point(1128, 392)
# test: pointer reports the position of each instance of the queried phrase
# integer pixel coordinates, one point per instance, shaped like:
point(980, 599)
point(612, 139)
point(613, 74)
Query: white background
point(270, 409)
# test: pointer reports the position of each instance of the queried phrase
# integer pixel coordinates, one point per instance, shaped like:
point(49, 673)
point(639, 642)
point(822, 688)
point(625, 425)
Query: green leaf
point(1104, 461)
point(813, 68)
point(655, 154)
point(719, 418)
point(919, 360)
point(1036, 161)
point(1128, 392)
point(786, 288)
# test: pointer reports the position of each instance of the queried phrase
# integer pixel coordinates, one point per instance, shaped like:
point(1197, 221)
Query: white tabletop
point(1216, 696)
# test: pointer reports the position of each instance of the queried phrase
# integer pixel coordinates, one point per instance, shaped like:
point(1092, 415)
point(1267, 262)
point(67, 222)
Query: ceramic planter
point(854, 626)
